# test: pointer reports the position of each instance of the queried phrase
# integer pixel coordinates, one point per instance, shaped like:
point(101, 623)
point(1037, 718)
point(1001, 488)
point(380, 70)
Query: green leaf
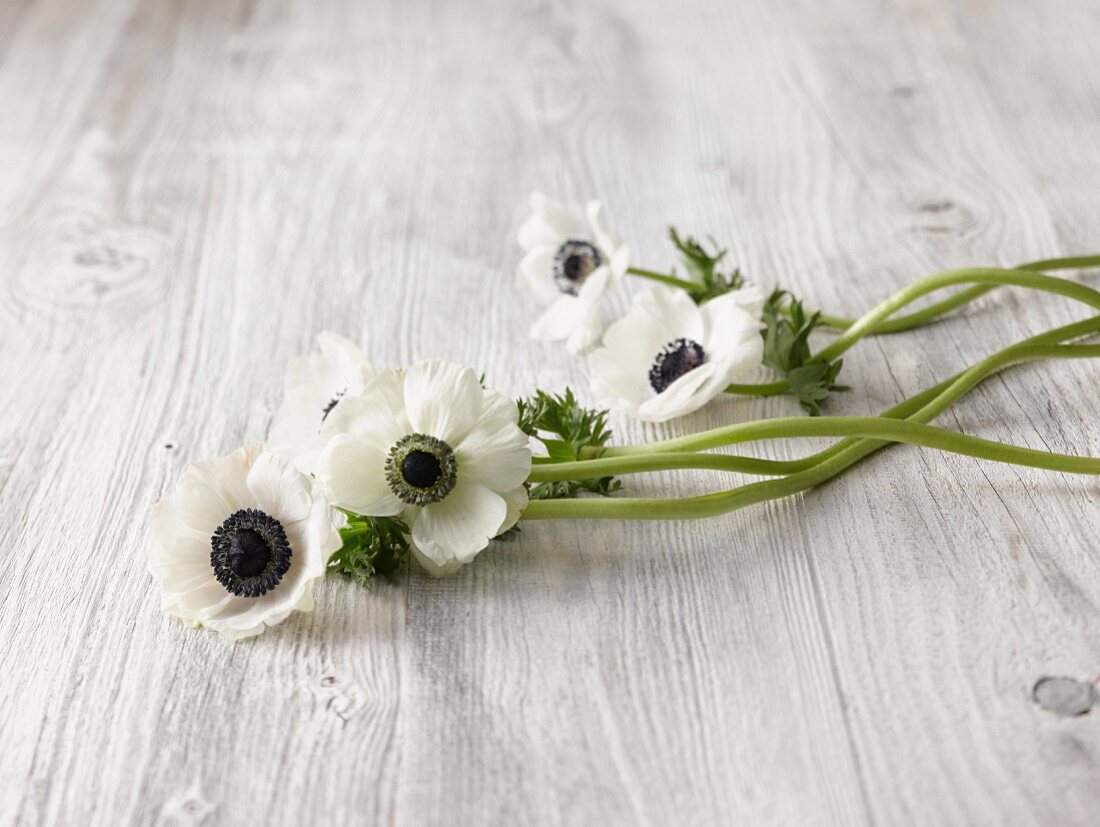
point(570, 488)
point(787, 329)
point(566, 429)
point(558, 450)
point(372, 545)
point(702, 268)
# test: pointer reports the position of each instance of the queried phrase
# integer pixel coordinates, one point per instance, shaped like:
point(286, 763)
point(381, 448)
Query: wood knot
point(943, 215)
point(936, 206)
point(110, 258)
point(1064, 696)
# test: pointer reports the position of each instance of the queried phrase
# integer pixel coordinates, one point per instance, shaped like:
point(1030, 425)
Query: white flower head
point(668, 356)
point(239, 543)
point(429, 444)
point(312, 387)
point(571, 262)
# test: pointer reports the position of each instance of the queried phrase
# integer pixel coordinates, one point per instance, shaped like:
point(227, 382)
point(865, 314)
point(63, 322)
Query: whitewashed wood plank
point(218, 182)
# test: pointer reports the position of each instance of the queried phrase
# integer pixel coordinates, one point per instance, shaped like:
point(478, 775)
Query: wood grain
point(190, 191)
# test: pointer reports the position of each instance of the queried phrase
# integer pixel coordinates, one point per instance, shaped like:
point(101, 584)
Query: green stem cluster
point(883, 319)
point(929, 314)
point(906, 422)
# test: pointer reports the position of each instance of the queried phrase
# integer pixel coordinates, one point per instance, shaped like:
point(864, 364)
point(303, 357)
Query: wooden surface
point(190, 190)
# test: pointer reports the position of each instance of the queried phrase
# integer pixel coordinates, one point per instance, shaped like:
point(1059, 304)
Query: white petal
point(461, 525)
point(247, 616)
point(742, 360)
point(557, 321)
point(234, 635)
point(376, 416)
point(638, 336)
point(587, 331)
point(496, 452)
point(430, 566)
point(295, 434)
point(535, 275)
point(620, 369)
point(611, 245)
point(550, 223)
point(733, 340)
point(750, 298)
point(347, 359)
point(619, 380)
point(179, 556)
point(676, 314)
point(443, 400)
point(202, 601)
point(576, 320)
point(727, 325)
point(690, 392)
point(352, 473)
point(227, 476)
point(619, 263)
point(595, 287)
point(516, 501)
point(302, 387)
point(312, 383)
point(279, 489)
point(194, 509)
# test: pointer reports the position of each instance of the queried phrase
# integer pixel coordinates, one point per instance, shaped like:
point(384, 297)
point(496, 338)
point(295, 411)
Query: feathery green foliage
point(372, 545)
point(702, 268)
point(565, 428)
point(787, 350)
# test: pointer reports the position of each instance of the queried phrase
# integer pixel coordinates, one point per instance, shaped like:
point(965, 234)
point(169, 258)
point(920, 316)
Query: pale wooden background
point(189, 191)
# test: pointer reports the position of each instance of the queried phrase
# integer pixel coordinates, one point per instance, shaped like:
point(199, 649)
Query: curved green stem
point(663, 278)
point(762, 389)
point(874, 427)
point(910, 406)
point(824, 465)
point(918, 318)
point(903, 409)
point(934, 311)
point(970, 275)
point(983, 279)
point(669, 461)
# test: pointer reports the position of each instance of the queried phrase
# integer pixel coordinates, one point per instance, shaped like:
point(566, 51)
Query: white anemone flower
point(239, 543)
point(571, 262)
point(430, 445)
point(312, 386)
point(668, 356)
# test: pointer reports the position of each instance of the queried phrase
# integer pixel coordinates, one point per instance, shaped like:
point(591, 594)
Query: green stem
point(762, 389)
point(970, 275)
point(903, 409)
point(825, 464)
point(934, 311)
point(664, 278)
point(668, 461)
point(982, 279)
point(866, 427)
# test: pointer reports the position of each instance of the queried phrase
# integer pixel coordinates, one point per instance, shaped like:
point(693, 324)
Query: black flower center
point(249, 553)
point(677, 358)
point(574, 262)
point(421, 469)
